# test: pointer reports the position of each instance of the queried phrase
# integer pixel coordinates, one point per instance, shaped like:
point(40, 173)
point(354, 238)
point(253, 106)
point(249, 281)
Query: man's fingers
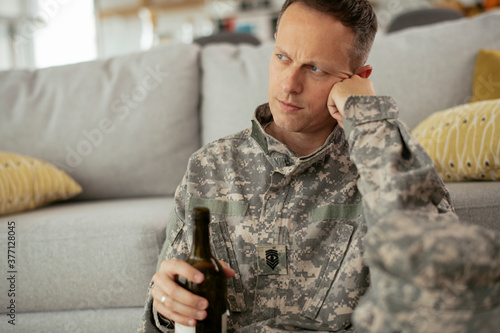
point(173, 301)
point(339, 118)
point(178, 312)
point(174, 267)
point(227, 270)
point(173, 291)
point(165, 285)
point(172, 315)
point(355, 85)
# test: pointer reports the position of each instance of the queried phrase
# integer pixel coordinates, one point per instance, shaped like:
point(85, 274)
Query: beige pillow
point(27, 183)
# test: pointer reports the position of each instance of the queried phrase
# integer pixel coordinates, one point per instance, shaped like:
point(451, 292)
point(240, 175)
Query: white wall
point(68, 36)
point(5, 54)
point(16, 33)
point(120, 35)
point(8, 8)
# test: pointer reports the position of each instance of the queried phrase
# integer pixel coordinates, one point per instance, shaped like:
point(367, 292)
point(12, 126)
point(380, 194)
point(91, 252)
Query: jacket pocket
point(317, 305)
point(222, 244)
point(174, 228)
point(173, 236)
point(340, 242)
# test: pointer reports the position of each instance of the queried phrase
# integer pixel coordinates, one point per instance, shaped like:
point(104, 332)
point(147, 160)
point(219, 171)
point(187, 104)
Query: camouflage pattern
point(396, 172)
point(261, 193)
point(430, 273)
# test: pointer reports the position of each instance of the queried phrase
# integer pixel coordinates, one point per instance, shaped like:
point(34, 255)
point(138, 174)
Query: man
point(289, 185)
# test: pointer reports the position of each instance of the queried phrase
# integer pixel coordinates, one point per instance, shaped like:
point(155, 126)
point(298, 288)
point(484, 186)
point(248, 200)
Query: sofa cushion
point(234, 83)
point(123, 127)
point(431, 68)
point(486, 76)
point(477, 202)
point(86, 255)
point(463, 141)
point(116, 320)
point(27, 183)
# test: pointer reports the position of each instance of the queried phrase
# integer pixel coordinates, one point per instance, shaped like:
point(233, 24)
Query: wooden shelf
point(134, 10)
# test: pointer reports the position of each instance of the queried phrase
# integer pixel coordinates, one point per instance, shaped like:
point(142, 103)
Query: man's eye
point(316, 69)
point(282, 57)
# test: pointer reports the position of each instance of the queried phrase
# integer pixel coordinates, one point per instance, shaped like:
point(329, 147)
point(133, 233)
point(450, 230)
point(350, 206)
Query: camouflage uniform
point(429, 272)
point(292, 227)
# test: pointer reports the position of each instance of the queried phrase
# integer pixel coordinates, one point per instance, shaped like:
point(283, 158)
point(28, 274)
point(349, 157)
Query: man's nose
point(292, 81)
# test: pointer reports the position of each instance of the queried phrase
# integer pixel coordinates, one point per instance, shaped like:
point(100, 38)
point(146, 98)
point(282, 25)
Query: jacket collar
point(279, 154)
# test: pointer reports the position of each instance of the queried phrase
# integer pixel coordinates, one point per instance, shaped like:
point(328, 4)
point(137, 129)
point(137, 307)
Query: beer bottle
point(213, 288)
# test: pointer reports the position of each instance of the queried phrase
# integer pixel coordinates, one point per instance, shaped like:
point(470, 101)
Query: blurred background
point(44, 33)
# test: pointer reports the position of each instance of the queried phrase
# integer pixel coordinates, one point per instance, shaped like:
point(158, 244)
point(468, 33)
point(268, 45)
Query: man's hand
point(355, 85)
point(174, 302)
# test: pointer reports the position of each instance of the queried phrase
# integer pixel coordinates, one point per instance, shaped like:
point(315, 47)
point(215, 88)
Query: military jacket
point(292, 227)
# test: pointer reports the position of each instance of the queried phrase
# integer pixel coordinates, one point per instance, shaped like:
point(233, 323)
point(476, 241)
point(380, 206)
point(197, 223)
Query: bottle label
point(224, 322)
point(184, 329)
point(188, 329)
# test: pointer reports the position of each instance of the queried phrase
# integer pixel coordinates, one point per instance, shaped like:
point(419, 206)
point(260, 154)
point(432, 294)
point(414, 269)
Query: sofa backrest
point(123, 127)
point(234, 82)
point(426, 69)
point(431, 68)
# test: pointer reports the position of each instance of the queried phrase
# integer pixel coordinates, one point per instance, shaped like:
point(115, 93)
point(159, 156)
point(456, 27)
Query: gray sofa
point(124, 128)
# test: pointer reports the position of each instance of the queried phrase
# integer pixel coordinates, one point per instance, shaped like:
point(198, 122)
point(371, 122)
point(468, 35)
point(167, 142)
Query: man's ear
point(364, 71)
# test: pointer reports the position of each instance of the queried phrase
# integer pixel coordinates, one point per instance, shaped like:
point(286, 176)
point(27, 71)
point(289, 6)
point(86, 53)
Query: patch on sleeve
point(272, 260)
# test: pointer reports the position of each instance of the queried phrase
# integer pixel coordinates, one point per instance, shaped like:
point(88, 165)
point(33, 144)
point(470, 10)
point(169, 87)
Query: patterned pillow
point(464, 141)
point(27, 183)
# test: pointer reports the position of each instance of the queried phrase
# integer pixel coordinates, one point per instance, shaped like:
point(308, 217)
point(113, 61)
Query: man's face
point(309, 57)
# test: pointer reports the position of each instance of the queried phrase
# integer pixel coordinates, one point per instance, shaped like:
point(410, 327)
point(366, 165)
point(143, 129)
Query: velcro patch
point(272, 260)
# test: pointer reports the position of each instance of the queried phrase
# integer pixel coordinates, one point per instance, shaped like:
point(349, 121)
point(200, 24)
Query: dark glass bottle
point(213, 287)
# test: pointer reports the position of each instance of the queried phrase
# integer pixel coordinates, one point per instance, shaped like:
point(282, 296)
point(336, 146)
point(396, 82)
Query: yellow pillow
point(464, 141)
point(27, 183)
point(486, 84)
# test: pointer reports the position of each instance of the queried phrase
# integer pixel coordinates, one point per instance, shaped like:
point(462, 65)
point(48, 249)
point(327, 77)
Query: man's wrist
point(364, 109)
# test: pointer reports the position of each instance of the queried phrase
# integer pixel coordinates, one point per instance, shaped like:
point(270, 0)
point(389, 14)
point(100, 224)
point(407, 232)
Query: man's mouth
point(287, 107)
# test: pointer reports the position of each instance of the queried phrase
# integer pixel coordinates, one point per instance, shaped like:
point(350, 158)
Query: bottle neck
point(201, 240)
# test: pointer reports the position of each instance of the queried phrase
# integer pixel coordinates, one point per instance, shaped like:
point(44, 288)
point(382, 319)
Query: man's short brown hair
point(355, 14)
